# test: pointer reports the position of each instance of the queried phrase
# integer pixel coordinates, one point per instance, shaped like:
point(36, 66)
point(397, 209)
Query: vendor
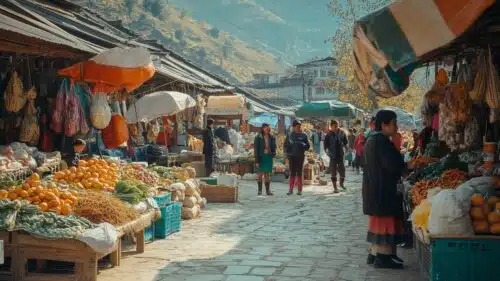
point(383, 169)
point(209, 147)
point(73, 158)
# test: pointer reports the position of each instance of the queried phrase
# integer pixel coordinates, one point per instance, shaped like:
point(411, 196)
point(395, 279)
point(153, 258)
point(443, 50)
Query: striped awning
point(388, 43)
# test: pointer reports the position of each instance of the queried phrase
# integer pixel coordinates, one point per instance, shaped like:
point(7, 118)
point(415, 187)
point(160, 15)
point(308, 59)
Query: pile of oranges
point(96, 174)
point(49, 197)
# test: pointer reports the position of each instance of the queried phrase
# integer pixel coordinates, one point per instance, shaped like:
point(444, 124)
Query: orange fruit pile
point(94, 174)
point(49, 198)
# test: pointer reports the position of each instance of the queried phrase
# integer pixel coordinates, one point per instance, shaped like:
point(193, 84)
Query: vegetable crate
point(149, 233)
point(170, 221)
point(163, 200)
point(463, 259)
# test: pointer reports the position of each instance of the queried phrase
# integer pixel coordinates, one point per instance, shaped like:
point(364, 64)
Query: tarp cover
point(330, 108)
point(388, 43)
point(269, 118)
point(226, 105)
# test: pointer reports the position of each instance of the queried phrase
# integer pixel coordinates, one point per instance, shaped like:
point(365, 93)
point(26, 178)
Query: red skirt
point(385, 230)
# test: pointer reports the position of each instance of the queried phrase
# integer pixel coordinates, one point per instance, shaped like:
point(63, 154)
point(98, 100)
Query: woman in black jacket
point(265, 150)
point(383, 169)
point(296, 144)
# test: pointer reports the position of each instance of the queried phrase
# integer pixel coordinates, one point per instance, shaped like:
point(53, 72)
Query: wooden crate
point(6, 274)
point(219, 193)
point(68, 250)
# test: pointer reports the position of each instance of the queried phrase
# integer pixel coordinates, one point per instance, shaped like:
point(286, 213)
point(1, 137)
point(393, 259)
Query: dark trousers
point(296, 165)
point(337, 165)
point(358, 163)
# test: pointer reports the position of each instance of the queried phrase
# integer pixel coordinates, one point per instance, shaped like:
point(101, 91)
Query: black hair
point(79, 142)
point(373, 119)
point(264, 125)
point(333, 122)
point(384, 117)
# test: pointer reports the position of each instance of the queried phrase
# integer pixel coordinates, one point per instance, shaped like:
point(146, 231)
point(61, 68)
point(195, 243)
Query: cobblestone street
point(319, 237)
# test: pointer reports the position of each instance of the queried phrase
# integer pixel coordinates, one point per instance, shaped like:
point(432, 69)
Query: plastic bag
point(420, 216)
point(101, 239)
point(58, 116)
point(100, 112)
point(72, 113)
point(449, 215)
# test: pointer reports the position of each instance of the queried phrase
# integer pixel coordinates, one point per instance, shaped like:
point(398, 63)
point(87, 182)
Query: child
point(73, 158)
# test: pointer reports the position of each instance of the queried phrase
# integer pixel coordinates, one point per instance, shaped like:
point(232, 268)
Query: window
point(323, 73)
point(320, 91)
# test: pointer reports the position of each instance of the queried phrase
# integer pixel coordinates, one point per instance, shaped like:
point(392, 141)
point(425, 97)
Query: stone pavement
point(318, 237)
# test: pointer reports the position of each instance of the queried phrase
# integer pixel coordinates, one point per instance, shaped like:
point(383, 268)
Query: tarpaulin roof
point(388, 43)
point(330, 108)
point(226, 105)
point(267, 118)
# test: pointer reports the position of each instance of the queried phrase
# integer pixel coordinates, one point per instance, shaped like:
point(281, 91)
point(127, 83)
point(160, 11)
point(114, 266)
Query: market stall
point(453, 193)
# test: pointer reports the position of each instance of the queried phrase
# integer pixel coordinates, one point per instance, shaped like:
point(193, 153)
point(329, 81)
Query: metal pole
point(303, 88)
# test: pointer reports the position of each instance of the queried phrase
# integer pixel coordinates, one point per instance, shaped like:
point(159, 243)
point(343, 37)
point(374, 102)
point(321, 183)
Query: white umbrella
point(158, 104)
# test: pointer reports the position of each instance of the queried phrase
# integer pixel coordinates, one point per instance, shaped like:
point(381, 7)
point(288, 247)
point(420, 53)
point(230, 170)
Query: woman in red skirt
point(384, 166)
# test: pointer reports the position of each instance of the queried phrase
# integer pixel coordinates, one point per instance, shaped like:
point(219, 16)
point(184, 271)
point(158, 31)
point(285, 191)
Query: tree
point(214, 32)
point(347, 12)
point(130, 4)
point(156, 7)
point(179, 34)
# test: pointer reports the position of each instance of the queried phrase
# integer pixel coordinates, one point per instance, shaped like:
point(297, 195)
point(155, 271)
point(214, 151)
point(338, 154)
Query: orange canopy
point(114, 70)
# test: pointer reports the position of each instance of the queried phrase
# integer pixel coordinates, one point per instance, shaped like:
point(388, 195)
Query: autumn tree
point(347, 12)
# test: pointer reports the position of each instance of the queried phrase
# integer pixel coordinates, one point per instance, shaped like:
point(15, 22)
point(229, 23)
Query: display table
point(219, 193)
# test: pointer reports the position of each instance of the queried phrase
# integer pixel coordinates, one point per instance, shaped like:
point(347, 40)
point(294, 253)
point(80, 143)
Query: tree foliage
point(156, 7)
point(347, 12)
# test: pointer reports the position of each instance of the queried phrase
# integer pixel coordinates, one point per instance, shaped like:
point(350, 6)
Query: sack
point(57, 117)
point(449, 214)
point(190, 213)
point(14, 94)
point(190, 202)
point(116, 133)
point(100, 112)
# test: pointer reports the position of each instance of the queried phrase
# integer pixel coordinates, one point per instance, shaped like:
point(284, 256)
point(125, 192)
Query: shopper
point(383, 169)
point(359, 147)
point(209, 147)
point(72, 159)
point(296, 144)
point(264, 150)
point(316, 140)
point(335, 143)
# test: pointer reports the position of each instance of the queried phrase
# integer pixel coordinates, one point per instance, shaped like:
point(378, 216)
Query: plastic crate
point(149, 233)
point(209, 181)
point(465, 259)
point(163, 200)
point(170, 221)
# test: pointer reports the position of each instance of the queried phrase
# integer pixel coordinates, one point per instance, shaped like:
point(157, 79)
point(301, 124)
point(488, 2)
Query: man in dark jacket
point(383, 169)
point(296, 144)
point(209, 147)
point(335, 143)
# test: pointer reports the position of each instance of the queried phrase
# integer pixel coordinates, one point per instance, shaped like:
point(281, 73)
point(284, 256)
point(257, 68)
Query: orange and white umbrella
point(114, 70)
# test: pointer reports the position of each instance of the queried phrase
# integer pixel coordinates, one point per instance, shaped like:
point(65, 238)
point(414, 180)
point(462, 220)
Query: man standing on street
point(335, 143)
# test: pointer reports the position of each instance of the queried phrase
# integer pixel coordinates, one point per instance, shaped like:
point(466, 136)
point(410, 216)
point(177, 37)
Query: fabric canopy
point(388, 43)
point(271, 119)
point(406, 120)
point(226, 105)
point(158, 104)
point(114, 70)
point(330, 108)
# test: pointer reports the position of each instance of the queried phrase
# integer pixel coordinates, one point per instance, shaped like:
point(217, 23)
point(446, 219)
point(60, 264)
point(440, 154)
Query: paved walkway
point(316, 237)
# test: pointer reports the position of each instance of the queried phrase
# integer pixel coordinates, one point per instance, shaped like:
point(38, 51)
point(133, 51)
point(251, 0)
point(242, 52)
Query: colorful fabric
point(266, 163)
point(388, 43)
point(385, 230)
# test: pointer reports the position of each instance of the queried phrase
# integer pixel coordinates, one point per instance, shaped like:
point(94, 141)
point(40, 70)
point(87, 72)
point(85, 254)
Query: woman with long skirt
point(264, 150)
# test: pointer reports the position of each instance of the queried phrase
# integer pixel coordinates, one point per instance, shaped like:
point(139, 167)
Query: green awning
point(334, 109)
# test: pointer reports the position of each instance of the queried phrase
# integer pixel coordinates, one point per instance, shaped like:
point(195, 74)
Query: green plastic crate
point(465, 259)
point(163, 200)
point(209, 181)
point(170, 221)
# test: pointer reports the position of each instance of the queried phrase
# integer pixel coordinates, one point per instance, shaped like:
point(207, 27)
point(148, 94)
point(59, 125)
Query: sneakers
point(290, 193)
point(370, 259)
point(299, 193)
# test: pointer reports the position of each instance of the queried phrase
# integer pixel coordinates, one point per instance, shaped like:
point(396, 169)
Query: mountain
point(292, 30)
point(214, 49)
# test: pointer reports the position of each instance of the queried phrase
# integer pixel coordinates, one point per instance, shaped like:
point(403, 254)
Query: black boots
point(268, 189)
point(386, 261)
point(342, 183)
point(335, 189)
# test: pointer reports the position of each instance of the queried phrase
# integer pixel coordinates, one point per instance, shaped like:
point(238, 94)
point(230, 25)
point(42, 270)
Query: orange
point(23, 194)
point(56, 210)
point(35, 176)
point(12, 195)
point(65, 209)
point(3, 194)
point(54, 203)
point(44, 207)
